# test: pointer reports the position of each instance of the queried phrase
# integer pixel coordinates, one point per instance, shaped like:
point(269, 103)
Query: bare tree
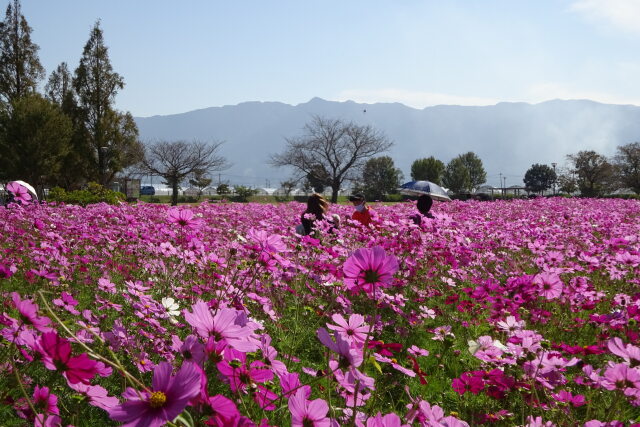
point(175, 160)
point(336, 148)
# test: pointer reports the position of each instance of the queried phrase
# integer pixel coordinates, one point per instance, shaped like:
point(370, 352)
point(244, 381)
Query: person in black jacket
point(423, 204)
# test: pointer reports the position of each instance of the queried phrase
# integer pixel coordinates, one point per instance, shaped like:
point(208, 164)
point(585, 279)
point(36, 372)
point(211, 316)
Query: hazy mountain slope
point(509, 137)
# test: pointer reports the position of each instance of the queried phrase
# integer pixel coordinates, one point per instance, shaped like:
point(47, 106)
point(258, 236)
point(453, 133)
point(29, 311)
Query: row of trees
point(331, 152)
point(71, 133)
point(590, 173)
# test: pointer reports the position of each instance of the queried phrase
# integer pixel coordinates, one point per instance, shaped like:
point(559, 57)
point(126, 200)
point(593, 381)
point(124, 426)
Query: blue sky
point(181, 56)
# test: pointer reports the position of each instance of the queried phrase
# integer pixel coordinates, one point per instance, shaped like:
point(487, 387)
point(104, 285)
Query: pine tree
point(111, 135)
point(20, 68)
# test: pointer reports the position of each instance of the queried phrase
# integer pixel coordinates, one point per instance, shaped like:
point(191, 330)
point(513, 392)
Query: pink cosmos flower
point(46, 404)
point(354, 330)
point(567, 397)
point(290, 384)
point(369, 268)
point(622, 377)
point(67, 302)
point(240, 376)
point(630, 353)
point(182, 217)
point(389, 420)
point(166, 399)
point(97, 395)
point(348, 356)
point(222, 326)
point(308, 413)
point(56, 355)
point(549, 285)
point(20, 193)
point(7, 271)
point(270, 243)
point(224, 410)
point(29, 313)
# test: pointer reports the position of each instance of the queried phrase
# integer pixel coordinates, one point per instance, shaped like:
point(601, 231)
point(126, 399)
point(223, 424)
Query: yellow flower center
point(157, 399)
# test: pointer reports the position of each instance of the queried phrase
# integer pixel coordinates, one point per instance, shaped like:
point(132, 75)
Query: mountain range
point(508, 137)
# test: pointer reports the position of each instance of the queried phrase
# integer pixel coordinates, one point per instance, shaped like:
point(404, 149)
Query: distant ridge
point(509, 136)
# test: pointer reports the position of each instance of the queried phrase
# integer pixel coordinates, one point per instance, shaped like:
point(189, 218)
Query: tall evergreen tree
point(60, 85)
point(20, 68)
point(112, 136)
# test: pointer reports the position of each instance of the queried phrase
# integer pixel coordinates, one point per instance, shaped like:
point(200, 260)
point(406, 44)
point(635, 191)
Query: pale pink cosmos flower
point(308, 413)
point(630, 353)
point(97, 395)
point(510, 325)
point(354, 330)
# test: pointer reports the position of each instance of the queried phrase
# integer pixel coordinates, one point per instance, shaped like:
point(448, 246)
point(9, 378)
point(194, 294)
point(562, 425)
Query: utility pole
point(555, 179)
point(501, 187)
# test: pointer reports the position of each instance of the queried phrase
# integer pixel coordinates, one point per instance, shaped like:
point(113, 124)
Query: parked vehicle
point(147, 190)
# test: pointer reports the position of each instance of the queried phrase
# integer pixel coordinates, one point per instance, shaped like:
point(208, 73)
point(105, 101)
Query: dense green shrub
point(94, 193)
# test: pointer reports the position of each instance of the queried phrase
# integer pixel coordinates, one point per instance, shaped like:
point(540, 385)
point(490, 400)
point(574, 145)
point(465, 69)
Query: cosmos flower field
point(517, 313)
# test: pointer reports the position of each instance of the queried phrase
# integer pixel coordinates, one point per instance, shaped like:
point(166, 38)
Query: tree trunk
point(174, 193)
point(334, 193)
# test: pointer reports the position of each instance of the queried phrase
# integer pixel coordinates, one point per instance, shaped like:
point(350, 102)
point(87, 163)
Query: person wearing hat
point(362, 213)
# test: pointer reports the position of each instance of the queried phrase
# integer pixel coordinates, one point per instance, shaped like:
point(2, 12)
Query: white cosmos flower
point(484, 343)
point(173, 309)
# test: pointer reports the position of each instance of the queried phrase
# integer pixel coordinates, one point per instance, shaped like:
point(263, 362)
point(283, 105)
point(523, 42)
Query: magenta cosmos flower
point(369, 268)
point(306, 413)
point(20, 193)
point(56, 355)
point(164, 402)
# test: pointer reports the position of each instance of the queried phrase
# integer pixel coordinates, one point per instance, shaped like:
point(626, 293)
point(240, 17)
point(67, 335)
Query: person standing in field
point(362, 213)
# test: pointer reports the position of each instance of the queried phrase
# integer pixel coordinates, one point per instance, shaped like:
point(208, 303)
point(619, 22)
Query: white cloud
point(545, 91)
point(411, 99)
point(621, 14)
